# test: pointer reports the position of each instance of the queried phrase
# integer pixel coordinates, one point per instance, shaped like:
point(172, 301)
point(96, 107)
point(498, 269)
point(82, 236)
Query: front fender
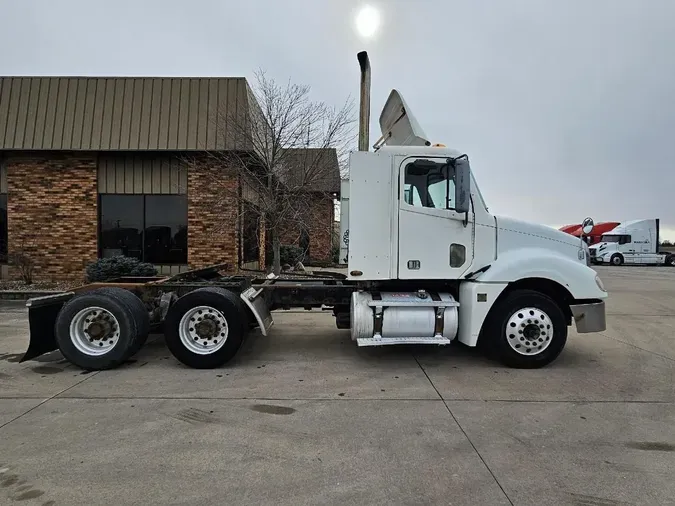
point(526, 263)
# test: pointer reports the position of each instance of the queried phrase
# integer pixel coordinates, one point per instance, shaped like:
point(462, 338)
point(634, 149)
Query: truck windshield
point(610, 238)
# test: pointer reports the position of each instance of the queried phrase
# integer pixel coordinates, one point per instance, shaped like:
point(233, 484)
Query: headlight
point(598, 282)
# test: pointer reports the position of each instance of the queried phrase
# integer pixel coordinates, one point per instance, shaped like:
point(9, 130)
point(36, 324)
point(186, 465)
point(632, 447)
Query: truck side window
point(429, 184)
point(624, 239)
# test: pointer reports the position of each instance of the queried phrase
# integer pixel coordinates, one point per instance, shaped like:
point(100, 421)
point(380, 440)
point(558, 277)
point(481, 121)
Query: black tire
point(496, 338)
point(225, 302)
point(670, 260)
point(617, 259)
point(137, 308)
point(119, 353)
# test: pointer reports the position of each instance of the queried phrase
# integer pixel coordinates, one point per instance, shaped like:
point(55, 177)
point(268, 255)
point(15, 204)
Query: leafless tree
point(291, 150)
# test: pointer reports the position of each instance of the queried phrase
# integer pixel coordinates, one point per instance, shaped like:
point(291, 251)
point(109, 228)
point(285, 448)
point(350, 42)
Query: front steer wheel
point(525, 330)
point(205, 328)
point(96, 330)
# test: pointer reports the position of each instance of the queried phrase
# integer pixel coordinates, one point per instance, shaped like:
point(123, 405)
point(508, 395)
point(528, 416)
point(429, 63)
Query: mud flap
point(257, 304)
point(42, 314)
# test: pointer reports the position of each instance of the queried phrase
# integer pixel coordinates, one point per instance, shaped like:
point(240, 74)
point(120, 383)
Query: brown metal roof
point(120, 113)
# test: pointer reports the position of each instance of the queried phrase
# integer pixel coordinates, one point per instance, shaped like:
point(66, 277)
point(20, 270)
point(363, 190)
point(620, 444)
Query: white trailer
point(632, 243)
point(428, 263)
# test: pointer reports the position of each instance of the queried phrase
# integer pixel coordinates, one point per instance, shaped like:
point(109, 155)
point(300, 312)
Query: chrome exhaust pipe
point(364, 113)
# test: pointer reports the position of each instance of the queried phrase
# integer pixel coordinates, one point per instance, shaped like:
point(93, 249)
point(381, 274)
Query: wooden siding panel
point(138, 175)
point(156, 184)
point(102, 174)
point(165, 177)
point(3, 177)
point(129, 162)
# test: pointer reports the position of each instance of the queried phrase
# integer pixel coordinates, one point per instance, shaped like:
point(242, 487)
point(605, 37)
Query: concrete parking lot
point(305, 417)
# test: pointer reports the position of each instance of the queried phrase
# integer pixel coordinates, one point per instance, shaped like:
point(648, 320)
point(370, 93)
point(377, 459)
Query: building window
point(3, 228)
point(152, 228)
point(250, 233)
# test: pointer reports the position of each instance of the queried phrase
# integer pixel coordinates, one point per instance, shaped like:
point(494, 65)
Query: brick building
point(95, 167)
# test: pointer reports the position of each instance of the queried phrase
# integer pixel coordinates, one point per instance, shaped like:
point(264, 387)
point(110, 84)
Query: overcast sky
point(566, 108)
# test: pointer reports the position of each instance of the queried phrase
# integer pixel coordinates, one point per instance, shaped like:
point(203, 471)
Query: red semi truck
point(598, 230)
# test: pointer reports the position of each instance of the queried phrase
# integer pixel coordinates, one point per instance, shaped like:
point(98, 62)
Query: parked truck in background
point(428, 263)
point(595, 235)
point(634, 242)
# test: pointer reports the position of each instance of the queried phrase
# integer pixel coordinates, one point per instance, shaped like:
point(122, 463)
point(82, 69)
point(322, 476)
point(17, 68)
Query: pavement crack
point(47, 400)
point(463, 431)
point(637, 347)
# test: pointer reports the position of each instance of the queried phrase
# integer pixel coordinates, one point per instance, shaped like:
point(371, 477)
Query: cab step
point(384, 341)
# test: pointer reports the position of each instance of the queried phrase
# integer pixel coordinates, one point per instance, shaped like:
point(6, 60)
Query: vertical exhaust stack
point(364, 113)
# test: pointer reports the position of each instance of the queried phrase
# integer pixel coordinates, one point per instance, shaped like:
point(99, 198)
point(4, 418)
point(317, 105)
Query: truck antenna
point(364, 113)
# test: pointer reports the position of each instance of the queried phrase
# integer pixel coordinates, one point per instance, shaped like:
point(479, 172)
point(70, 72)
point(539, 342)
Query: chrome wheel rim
point(94, 331)
point(529, 331)
point(203, 330)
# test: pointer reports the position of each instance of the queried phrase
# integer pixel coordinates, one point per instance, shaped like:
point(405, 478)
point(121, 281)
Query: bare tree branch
point(289, 152)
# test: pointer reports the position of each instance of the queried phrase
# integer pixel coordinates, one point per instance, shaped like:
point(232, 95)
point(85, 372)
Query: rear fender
point(255, 301)
point(42, 314)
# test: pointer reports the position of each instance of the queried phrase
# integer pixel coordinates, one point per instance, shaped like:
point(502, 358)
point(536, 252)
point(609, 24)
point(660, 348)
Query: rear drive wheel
point(96, 331)
point(526, 330)
point(616, 259)
point(138, 309)
point(670, 260)
point(204, 328)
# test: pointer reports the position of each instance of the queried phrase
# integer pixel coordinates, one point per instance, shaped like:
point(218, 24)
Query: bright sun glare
point(367, 21)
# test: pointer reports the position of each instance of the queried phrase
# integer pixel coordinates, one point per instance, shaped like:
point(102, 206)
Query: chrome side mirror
point(587, 226)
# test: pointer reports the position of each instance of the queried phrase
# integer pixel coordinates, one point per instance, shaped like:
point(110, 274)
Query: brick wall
point(212, 215)
point(321, 229)
point(319, 219)
point(52, 213)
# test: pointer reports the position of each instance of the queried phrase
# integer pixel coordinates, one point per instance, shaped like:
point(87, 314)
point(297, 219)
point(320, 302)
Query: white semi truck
point(634, 243)
point(427, 264)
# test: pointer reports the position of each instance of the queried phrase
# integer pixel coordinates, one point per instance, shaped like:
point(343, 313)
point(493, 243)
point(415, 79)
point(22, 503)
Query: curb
point(23, 295)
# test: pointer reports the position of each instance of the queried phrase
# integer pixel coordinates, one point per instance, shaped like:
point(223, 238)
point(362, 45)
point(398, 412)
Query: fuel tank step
point(384, 341)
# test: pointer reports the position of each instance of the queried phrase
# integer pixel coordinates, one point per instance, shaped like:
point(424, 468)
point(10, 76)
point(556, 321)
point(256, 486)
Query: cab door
point(434, 241)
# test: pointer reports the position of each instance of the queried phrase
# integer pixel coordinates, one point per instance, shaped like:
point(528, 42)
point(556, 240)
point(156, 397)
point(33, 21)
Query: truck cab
point(633, 242)
point(418, 221)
